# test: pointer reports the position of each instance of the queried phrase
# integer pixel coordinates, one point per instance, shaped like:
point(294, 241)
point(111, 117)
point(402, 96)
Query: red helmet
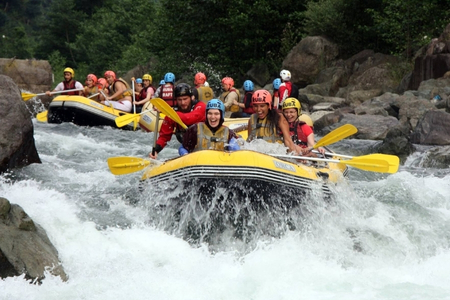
point(262, 96)
point(110, 73)
point(228, 81)
point(199, 78)
point(103, 82)
point(92, 77)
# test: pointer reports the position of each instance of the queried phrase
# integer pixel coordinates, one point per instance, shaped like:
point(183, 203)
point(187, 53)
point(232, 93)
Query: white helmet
point(285, 75)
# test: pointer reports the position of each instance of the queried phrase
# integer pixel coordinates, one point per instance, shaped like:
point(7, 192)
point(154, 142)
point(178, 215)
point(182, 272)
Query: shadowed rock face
point(24, 246)
point(17, 148)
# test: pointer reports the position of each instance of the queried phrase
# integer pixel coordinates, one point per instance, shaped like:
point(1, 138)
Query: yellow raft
point(84, 112)
point(262, 174)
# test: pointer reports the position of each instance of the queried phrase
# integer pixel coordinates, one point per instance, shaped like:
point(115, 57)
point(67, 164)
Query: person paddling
point(69, 83)
point(246, 104)
point(91, 87)
point(119, 95)
point(267, 123)
point(190, 111)
point(211, 134)
point(301, 133)
point(205, 93)
point(145, 94)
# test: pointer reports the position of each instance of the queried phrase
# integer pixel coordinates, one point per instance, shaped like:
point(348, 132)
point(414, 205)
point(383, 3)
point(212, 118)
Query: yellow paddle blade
point(124, 165)
point(336, 135)
point(42, 116)
point(27, 96)
point(368, 163)
point(167, 110)
point(126, 119)
point(392, 160)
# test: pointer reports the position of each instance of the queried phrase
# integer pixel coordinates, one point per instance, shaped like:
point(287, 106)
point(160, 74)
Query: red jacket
point(197, 114)
point(283, 87)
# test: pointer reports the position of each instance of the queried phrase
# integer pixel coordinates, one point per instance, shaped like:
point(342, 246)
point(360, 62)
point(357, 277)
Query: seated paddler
point(267, 123)
point(190, 110)
point(211, 134)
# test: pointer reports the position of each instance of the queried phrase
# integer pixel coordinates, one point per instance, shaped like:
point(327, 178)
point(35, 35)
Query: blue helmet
point(169, 77)
point(139, 80)
point(162, 82)
point(248, 86)
point(216, 104)
point(276, 83)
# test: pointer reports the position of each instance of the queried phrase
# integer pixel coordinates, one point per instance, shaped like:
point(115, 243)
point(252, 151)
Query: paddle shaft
point(155, 133)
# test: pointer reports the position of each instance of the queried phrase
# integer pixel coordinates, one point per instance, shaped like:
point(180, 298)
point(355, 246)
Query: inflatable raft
point(84, 112)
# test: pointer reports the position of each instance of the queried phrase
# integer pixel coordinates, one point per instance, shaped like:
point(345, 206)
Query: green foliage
point(408, 24)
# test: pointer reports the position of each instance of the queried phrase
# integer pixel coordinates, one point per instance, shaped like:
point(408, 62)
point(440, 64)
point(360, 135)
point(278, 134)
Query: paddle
point(155, 133)
point(370, 162)
point(134, 105)
point(392, 160)
point(28, 96)
point(124, 165)
point(42, 116)
point(165, 108)
point(336, 135)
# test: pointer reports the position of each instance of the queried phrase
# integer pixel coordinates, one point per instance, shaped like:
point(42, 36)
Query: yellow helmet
point(292, 103)
point(69, 70)
point(147, 77)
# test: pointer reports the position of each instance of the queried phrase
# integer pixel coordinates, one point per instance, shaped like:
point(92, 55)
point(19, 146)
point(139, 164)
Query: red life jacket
point(248, 103)
point(297, 134)
point(70, 86)
point(168, 95)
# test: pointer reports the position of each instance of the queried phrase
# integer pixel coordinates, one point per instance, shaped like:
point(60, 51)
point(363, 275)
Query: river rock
point(17, 147)
point(396, 142)
point(24, 246)
point(311, 55)
point(436, 157)
point(432, 129)
point(411, 109)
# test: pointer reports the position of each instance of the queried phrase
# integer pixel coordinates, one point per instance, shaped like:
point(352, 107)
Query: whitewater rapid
point(385, 236)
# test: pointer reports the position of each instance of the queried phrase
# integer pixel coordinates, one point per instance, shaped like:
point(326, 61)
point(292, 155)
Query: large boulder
point(24, 246)
point(396, 142)
point(28, 74)
point(411, 109)
point(311, 55)
point(17, 147)
point(432, 60)
point(432, 129)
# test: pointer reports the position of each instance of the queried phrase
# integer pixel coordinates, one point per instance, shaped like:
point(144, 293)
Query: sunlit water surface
point(382, 237)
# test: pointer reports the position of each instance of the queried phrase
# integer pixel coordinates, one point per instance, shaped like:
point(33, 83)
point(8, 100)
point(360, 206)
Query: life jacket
point(143, 93)
point(205, 93)
point(91, 91)
point(70, 86)
point(297, 134)
point(127, 92)
point(248, 103)
point(233, 108)
point(168, 95)
point(207, 140)
point(261, 130)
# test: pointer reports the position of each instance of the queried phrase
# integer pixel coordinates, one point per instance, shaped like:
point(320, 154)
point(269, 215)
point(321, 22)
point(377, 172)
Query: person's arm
point(284, 126)
point(78, 85)
point(121, 88)
point(149, 96)
point(165, 134)
point(249, 129)
point(59, 87)
point(194, 116)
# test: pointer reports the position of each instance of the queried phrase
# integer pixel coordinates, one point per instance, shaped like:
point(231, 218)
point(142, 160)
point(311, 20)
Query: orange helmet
point(199, 78)
point(92, 77)
point(262, 96)
point(103, 82)
point(110, 73)
point(228, 81)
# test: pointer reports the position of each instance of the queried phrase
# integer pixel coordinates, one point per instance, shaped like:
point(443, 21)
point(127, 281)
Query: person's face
point(89, 82)
point(146, 82)
point(110, 79)
point(225, 87)
point(67, 76)
point(291, 114)
point(184, 103)
point(261, 109)
point(213, 117)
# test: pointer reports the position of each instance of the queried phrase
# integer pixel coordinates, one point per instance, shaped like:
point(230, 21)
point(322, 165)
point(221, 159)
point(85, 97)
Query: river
point(385, 236)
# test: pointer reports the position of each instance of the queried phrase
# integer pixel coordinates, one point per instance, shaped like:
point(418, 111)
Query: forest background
point(218, 37)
